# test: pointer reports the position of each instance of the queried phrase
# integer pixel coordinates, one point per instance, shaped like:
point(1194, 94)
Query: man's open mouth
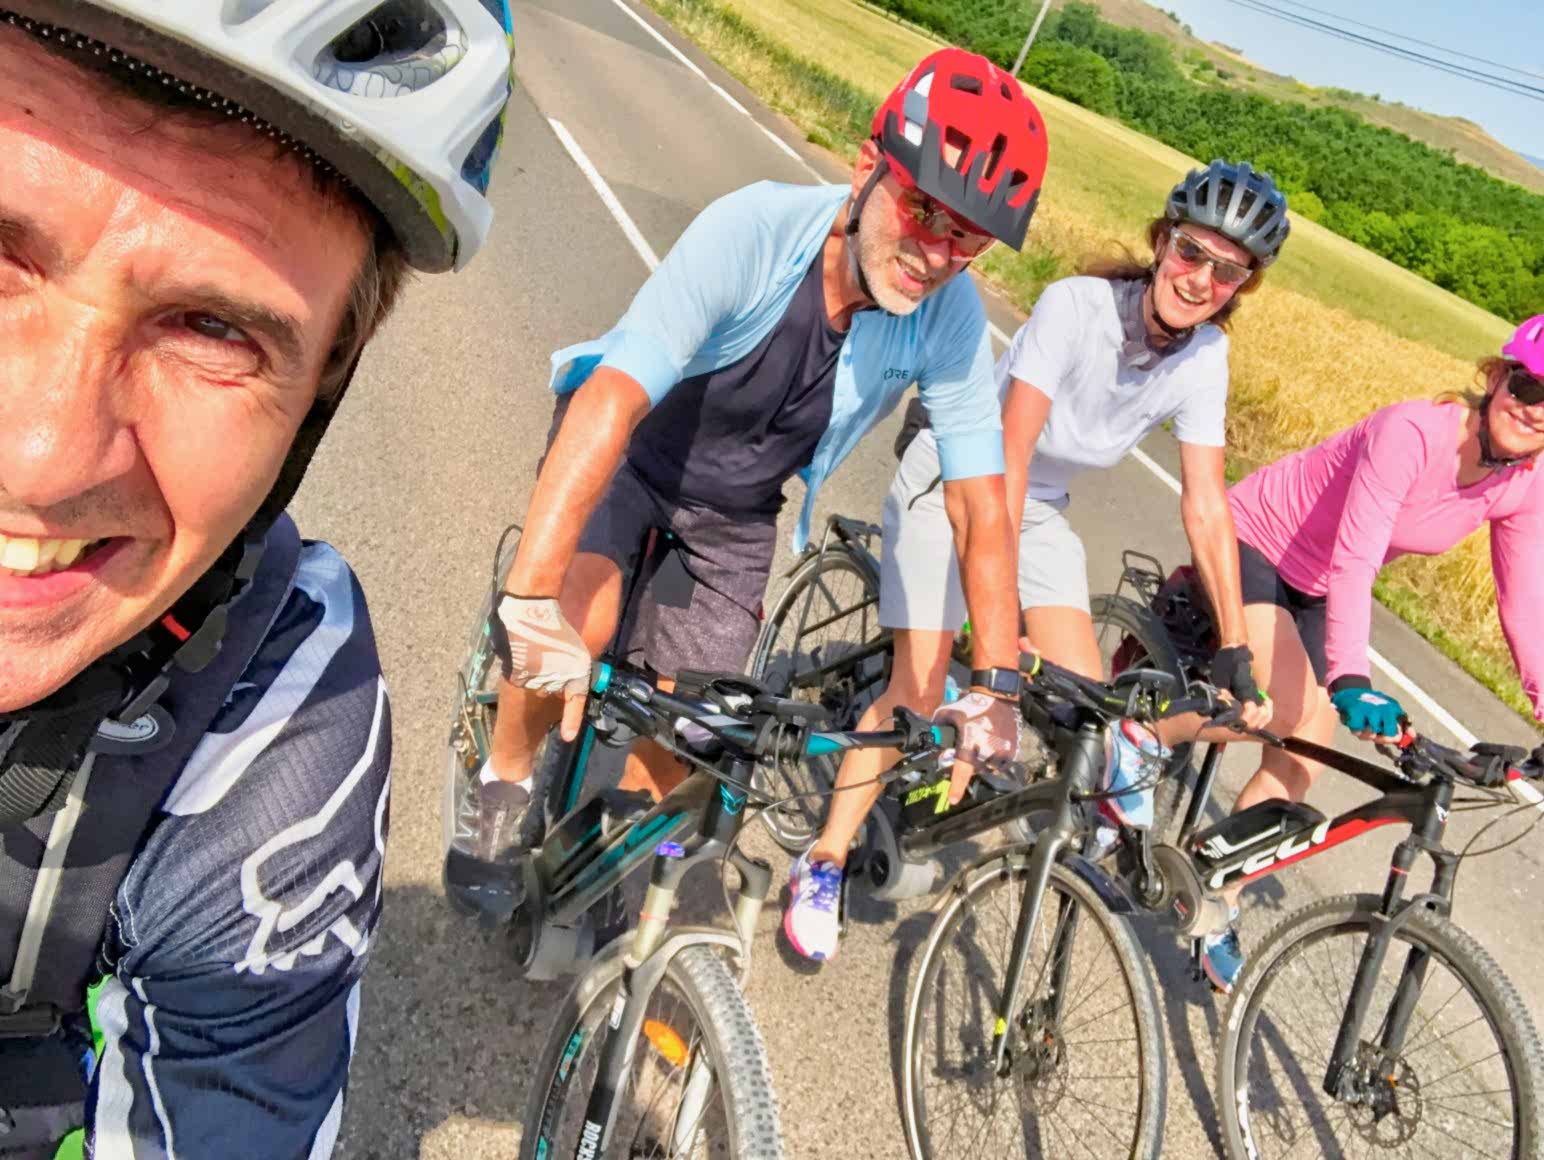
point(30, 556)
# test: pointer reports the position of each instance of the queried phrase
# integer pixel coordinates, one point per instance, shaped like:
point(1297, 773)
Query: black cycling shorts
point(1262, 584)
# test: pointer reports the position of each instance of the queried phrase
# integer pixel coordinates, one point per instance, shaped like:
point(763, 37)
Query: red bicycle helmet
point(957, 98)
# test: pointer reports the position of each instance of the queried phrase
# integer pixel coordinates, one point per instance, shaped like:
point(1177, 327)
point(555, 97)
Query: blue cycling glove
point(1365, 710)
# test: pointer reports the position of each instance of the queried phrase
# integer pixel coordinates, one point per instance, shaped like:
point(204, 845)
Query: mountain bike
point(1032, 1024)
point(654, 1052)
point(1364, 1022)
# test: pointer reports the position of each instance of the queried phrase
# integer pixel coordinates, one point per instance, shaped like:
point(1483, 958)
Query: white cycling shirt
point(1070, 349)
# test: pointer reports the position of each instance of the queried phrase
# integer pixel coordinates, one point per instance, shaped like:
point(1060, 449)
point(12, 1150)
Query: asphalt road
point(435, 453)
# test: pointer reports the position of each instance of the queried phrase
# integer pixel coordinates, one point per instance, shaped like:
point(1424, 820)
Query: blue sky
point(1508, 31)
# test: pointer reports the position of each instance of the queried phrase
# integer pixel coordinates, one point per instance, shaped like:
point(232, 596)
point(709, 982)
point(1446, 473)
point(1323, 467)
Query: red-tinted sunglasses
point(931, 222)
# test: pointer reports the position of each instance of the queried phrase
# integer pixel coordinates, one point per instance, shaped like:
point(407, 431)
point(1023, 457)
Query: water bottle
point(951, 688)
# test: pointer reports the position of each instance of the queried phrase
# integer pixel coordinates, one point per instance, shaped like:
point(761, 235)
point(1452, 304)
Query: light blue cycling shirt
point(728, 281)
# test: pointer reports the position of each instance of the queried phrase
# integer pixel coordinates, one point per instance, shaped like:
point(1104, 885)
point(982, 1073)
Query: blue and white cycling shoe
point(1222, 958)
point(813, 920)
point(1136, 760)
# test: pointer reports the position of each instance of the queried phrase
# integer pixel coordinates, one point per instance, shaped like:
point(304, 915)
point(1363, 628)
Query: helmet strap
point(1150, 307)
point(44, 747)
point(1488, 456)
point(854, 213)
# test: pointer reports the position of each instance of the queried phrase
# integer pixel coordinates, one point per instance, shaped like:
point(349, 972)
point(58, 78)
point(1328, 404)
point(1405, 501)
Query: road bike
point(655, 1052)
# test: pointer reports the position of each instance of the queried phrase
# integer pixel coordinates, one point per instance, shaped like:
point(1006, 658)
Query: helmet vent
point(994, 157)
point(958, 139)
point(966, 84)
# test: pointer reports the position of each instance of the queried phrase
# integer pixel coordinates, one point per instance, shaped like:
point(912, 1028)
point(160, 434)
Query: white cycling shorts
point(919, 575)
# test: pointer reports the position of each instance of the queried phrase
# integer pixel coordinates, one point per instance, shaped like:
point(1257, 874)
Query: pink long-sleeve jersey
point(1330, 516)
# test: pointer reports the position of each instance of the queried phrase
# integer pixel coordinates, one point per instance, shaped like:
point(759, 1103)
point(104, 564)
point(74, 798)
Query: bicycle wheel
point(1131, 637)
point(1087, 1067)
point(699, 1084)
point(1464, 1083)
point(828, 612)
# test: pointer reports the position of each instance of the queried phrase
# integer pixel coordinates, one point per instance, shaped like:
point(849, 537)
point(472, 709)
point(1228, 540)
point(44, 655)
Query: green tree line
point(1451, 223)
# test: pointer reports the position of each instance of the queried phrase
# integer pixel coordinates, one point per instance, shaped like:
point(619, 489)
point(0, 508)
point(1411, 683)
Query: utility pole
point(1030, 39)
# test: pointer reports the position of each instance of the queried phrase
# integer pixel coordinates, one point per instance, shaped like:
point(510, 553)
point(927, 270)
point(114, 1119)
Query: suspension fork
point(642, 969)
point(1412, 980)
point(1083, 757)
point(1386, 923)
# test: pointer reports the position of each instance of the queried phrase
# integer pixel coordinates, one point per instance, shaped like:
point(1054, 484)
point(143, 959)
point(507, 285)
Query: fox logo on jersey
point(317, 903)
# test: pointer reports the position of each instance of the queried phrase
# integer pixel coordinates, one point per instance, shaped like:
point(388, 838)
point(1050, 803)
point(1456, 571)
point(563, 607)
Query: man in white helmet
point(206, 210)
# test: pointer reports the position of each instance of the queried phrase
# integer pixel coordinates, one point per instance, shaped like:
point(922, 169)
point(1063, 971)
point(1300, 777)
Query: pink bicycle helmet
point(1526, 348)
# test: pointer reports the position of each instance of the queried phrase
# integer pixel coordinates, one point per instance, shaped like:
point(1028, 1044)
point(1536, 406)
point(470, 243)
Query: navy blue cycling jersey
point(731, 437)
point(241, 929)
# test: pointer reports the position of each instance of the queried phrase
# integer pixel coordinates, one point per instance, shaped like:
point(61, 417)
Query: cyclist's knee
point(1296, 775)
point(592, 593)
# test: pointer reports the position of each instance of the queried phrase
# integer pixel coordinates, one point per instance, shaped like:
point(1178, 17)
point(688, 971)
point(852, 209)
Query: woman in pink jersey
point(1315, 527)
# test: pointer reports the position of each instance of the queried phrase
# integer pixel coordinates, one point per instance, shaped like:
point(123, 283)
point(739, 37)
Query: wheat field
point(1333, 333)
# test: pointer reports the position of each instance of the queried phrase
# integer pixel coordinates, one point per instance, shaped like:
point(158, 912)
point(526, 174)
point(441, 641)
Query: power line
point(1501, 84)
point(1414, 39)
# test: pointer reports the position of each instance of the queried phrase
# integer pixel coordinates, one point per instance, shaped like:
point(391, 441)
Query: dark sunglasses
point(1526, 389)
point(1193, 253)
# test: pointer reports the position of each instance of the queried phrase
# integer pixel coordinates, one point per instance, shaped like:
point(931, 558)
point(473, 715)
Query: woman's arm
point(1517, 560)
point(1203, 506)
point(1024, 414)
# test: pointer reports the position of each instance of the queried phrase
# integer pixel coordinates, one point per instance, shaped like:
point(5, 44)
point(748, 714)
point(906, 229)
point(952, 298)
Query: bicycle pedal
point(1197, 969)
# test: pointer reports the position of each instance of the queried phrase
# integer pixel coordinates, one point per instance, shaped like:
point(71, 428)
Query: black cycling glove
point(1232, 672)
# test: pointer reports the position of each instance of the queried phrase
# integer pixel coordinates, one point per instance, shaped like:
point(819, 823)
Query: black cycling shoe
point(482, 866)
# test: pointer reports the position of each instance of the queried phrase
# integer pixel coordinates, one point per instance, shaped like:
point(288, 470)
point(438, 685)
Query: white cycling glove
point(546, 655)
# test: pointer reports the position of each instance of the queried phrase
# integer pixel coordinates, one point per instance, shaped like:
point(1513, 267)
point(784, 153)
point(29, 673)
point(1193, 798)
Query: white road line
point(1157, 469)
point(719, 89)
point(634, 235)
point(1419, 695)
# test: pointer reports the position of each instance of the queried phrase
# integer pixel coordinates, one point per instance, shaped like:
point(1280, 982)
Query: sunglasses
point(932, 223)
point(1192, 253)
point(1523, 387)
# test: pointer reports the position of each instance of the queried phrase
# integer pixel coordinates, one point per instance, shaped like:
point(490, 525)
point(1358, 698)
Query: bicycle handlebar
point(735, 720)
point(1488, 765)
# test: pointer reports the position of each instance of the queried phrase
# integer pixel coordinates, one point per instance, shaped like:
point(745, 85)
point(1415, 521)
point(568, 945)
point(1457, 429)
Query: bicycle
point(1059, 1019)
point(822, 642)
point(1364, 1079)
point(659, 1016)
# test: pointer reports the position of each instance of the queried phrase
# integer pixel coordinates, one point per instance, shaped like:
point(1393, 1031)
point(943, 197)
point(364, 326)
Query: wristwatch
point(998, 682)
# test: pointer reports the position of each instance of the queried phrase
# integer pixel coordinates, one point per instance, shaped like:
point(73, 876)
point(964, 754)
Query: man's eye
point(213, 327)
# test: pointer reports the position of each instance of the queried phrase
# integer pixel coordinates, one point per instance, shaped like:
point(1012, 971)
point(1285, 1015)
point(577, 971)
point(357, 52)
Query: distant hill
point(1537, 161)
point(1206, 60)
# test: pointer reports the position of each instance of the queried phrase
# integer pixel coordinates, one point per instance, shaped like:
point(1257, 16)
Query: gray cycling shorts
point(919, 583)
point(699, 607)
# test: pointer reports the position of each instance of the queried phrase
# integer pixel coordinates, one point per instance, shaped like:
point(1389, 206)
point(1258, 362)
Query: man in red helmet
point(784, 324)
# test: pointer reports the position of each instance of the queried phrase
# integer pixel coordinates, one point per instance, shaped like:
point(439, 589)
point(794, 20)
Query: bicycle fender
point(1016, 857)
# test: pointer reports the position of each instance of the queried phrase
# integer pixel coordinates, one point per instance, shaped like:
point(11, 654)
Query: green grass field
point(1333, 333)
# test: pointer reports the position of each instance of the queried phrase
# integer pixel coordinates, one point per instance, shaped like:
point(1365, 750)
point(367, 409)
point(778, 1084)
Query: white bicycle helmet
point(405, 99)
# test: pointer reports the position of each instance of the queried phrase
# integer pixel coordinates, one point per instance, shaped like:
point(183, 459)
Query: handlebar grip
point(1206, 706)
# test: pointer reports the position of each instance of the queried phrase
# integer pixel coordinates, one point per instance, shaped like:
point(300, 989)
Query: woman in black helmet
point(1119, 350)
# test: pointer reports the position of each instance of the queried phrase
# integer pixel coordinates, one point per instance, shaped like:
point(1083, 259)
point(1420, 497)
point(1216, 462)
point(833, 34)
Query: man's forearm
point(585, 455)
point(988, 569)
point(1214, 546)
